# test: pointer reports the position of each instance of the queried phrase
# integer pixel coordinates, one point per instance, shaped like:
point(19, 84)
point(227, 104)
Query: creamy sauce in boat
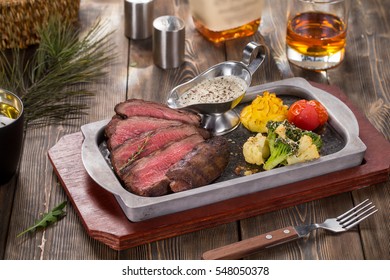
point(214, 90)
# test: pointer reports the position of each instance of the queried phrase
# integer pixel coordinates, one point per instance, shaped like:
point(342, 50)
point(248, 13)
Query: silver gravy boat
point(220, 118)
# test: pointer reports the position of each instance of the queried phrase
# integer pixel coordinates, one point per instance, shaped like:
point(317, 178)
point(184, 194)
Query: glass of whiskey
point(317, 33)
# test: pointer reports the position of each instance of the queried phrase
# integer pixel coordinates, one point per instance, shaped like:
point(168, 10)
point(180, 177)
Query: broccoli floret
point(272, 125)
point(289, 144)
point(271, 134)
point(292, 132)
point(280, 149)
point(286, 129)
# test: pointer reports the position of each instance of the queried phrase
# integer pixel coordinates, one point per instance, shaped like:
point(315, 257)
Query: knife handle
point(250, 246)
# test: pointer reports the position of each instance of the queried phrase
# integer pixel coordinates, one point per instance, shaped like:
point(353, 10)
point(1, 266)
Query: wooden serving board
point(105, 221)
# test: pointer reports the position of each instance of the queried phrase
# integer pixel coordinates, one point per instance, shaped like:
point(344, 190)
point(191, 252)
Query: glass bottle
point(221, 20)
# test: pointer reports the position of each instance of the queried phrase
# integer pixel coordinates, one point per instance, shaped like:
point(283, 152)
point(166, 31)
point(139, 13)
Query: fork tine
point(357, 221)
point(355, 213)
point(352, 209)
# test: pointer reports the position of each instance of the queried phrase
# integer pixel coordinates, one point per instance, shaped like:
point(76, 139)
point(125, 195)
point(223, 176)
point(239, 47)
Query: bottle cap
point(168, 41)
point(138, 18)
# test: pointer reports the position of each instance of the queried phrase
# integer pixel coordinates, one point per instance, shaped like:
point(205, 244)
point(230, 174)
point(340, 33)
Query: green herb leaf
point(49, 218)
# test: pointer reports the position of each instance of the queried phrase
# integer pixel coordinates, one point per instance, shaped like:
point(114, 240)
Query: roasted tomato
point(307, 114)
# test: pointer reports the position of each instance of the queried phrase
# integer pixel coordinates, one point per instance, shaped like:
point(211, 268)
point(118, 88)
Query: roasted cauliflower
point(267, 107)
point(256, 149)
point(307, 151)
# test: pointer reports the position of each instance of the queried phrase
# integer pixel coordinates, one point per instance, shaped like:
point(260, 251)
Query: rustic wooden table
point(364, 77)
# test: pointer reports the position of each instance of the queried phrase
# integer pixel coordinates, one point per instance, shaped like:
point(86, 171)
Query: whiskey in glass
point(316, 33)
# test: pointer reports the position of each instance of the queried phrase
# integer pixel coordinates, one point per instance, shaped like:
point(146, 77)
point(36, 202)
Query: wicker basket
point(19, 18)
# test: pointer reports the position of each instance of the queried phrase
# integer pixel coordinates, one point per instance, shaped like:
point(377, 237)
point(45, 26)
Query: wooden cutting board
point(104, 220)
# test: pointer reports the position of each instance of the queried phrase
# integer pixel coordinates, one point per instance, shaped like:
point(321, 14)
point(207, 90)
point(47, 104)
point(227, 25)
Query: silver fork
point(252, 245)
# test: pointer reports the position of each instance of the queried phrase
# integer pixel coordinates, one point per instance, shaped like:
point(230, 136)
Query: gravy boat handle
point(253, 56)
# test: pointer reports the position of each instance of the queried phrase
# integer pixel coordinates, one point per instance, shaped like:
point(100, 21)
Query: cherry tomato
point(307, 114)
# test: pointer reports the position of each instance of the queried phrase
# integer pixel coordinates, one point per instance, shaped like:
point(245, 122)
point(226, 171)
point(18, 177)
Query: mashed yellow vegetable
point(267, 107)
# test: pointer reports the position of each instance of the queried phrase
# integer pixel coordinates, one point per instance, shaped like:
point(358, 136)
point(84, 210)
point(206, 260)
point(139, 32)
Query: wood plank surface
point(364, 77)
point(38, 189)
point(365, 80)
point(7, 192)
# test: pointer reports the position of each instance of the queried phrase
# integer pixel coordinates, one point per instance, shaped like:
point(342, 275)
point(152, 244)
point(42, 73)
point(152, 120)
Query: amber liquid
point(8, 114)
point(316, 34)
point(233, 33)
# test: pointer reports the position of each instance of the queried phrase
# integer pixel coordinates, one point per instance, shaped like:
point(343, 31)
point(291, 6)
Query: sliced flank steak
point(139, 107)
point(156, 150)
point(147, 176)
point(119, 131)
point(201, 166)
point(138, 147)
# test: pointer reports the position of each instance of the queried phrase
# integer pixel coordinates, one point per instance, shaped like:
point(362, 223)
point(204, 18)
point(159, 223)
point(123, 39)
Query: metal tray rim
point(139, 208)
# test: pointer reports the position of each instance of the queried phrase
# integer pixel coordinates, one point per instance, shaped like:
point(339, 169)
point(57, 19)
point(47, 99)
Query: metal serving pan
point(342, 149)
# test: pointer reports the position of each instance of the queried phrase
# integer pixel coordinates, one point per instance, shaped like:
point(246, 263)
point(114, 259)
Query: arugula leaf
point(49, 218)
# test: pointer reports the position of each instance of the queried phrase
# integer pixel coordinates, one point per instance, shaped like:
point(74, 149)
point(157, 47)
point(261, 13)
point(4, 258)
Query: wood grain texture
point(366, 62)
point(7, 192)
point(364, 56)
point(38, 189)
point(366, 65)
point(363, 77)
point(375, 232)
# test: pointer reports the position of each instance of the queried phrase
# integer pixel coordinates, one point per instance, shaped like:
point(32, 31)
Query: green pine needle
point(52, 81)
point(49, 218)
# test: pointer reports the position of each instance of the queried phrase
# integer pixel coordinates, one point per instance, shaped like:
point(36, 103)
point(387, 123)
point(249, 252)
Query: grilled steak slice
point(156, 150)
point(119, 131)
point(110, 127)
point(135, 148)
point(138, 107)
point(201, 166)
point(146, 177)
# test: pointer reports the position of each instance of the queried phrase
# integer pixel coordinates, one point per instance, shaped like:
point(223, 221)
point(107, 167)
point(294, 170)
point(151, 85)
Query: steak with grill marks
point(139, 107)
point(135, 148)
point(118, 131)
point(201, 166)
point(147, 176)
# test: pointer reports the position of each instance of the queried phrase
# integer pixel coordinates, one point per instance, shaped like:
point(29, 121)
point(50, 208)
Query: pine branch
point(52, 83)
